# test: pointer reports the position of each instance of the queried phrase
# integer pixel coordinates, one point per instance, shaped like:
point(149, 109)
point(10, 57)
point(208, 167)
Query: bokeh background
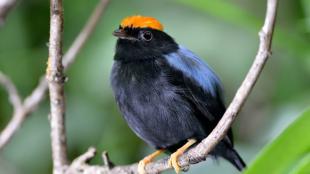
point(224, 33)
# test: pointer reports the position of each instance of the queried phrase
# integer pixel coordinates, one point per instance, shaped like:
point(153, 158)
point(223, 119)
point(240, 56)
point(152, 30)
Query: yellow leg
point(173, 161)
point(146, 160)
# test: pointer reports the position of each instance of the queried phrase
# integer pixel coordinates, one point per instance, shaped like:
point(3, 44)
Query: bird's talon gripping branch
point(141, 167)
point(173, 161)
point(146, 160)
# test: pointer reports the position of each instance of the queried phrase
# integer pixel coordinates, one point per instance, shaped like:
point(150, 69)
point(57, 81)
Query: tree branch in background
point(87, 30)
point(16, 102)
point(200, 152)
point(56, 79)
point(37, 96)
point(5, 7)
point(14, 97)
point(19, 115)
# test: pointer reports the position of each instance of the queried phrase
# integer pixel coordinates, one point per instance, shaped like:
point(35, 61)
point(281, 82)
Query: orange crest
point(141, 22)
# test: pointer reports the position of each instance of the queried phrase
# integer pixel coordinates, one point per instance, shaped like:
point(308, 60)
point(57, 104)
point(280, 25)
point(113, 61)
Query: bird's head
point(142, 37)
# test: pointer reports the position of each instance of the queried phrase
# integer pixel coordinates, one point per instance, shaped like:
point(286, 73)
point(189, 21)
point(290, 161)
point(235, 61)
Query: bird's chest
point(140, 84)
point(152, 106)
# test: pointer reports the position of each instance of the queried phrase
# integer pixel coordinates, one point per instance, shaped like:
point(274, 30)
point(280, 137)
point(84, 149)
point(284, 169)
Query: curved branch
point(200, 152)
point(264, 51)
point(36, 97)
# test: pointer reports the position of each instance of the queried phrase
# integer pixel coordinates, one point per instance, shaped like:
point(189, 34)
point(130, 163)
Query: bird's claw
point(146, 160)
point(173, 162)
point(141, 167)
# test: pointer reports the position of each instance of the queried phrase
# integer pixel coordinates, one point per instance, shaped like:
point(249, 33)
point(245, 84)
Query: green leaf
point(303, 166)
point(287, 154)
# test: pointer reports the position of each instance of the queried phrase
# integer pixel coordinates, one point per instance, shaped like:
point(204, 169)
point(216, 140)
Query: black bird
point(169, 97)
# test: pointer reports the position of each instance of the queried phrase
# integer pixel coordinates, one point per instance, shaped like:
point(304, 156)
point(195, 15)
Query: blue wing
point(194, 68)
point(199, 83)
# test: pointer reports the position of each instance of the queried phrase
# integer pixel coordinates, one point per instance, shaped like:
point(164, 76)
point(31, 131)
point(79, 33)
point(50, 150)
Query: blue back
point(194, 68)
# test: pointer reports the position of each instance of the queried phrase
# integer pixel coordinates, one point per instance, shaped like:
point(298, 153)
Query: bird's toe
point(173, 162)
point(141, 167)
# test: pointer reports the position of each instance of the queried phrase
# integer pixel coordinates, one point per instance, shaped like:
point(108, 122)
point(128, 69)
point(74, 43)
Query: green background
point(224, 33)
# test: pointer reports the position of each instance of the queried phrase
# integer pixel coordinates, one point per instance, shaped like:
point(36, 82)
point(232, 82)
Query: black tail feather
point(226, 150)
point(234, 158)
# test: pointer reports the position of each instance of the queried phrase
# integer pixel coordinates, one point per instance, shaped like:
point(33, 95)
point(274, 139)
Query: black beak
point(120, 33)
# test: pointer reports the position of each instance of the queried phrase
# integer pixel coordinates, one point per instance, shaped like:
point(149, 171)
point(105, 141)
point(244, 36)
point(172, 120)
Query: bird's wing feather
point(200, 84)
point(199, 80)
point(194, 68)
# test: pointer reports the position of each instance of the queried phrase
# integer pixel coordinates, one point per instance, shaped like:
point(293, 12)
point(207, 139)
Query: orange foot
point(146, 160)
point(173, 161)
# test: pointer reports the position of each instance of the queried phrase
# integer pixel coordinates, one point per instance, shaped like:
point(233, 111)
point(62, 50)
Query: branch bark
point(200, 152)
point(36, 97)
point(56, 79)
point(5, 7)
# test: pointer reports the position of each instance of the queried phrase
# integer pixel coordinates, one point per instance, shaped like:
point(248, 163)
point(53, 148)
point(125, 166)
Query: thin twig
point(19, 116)
point(36, 97)
point(85, 33)
point(14, 97)
point(56, 79)
point(200, 152)
point(5, 7)
point(15, 100)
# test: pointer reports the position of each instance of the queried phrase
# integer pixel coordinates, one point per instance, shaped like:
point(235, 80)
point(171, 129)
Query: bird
point(168, 96)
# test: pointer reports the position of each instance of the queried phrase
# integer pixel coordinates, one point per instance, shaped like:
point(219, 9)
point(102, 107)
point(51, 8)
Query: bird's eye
point(146, 36)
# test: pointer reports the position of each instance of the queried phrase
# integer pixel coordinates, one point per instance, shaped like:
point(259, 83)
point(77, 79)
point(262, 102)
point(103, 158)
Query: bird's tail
point(234, 158)
point(226, 151)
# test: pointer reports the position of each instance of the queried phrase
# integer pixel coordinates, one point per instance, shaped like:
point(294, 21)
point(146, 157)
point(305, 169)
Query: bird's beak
point(120, 33)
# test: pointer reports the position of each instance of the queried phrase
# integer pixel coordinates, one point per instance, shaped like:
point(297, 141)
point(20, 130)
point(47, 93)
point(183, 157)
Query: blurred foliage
point(222, 32)
point(288, 153)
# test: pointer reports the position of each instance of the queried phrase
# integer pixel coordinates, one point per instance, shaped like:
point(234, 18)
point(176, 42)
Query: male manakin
point(168, 96)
